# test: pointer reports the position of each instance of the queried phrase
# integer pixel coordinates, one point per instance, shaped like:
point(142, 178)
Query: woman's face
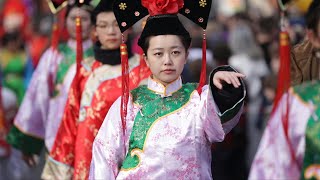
point(166, 57)
point(108, 31)
point(314, 36)
point(85, 22)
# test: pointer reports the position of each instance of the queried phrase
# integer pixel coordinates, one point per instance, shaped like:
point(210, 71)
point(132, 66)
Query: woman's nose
point(167, 60)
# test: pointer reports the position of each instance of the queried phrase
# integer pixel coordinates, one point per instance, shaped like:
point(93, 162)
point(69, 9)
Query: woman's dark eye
point(102, 26)
point(176, 52)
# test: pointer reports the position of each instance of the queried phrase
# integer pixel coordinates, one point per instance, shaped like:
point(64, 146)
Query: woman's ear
point(310, 34)
point(94, 35)
point(187, 55)
point(94, 32)
point(145, 59)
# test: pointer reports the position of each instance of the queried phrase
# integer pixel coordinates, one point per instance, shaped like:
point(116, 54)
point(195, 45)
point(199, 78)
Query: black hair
point(87, 8)
point(185, 42)
point(313, 16)
point(103, 6)
point(167, 24)
point(95, 15)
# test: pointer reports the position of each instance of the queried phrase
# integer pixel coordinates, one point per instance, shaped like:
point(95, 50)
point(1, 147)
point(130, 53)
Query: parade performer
point(42, 108)
point(289, 147)
point(164, 130)
point(87, 107)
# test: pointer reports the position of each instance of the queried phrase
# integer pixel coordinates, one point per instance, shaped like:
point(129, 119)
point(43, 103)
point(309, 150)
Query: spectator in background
point(221, 54)
point(17, 70)
point(305, 56)
point(229, 154)
point(15, 17)
point(269, 85)
point(275, 59)
point(13, 61)
point(247, 58)
point(266, 32)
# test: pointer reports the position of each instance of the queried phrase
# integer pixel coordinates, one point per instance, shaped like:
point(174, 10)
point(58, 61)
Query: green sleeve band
point(25, 143)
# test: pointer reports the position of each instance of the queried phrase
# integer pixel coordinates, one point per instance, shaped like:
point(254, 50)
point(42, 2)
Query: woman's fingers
point(217, 83)
point(228, 77)
point(235, 78)
point(30, 160)
point(239, 75)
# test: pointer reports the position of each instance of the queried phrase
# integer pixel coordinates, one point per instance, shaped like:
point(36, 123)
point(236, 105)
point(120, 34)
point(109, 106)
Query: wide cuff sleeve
point(229, 99)
point(56, 170)
point(273, 159)
point(33, 112)
point(63, 147)
point(59, 163)
point(26, 143)
point(108, 149)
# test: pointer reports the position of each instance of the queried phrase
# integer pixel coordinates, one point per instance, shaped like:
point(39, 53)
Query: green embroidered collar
point(164, 91)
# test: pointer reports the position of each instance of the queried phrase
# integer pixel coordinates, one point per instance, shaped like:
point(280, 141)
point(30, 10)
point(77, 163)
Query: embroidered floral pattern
point(154, 108)
point(123, 6)
point(202, 3)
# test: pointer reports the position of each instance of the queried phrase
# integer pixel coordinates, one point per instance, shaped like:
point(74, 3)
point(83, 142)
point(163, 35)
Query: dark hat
point(163, 16)
point(161, 25)
point(128, 12)
point(103, 5)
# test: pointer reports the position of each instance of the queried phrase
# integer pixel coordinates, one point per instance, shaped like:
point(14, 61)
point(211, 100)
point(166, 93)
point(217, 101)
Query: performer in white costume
point(168, 127)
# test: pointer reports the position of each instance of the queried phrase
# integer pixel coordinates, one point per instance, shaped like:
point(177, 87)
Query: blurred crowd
point(240, 33)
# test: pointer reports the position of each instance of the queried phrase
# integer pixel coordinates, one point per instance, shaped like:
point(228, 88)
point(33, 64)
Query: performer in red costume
point(89, 103)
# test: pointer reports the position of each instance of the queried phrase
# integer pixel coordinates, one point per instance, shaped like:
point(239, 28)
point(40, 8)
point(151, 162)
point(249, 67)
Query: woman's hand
point(30, 160)
point(229, 77)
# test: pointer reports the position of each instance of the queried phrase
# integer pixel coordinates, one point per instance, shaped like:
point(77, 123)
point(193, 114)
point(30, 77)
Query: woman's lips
point(168, 71)
point(112, 40)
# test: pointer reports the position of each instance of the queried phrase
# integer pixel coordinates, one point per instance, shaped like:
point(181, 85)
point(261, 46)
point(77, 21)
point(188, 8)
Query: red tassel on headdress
point(79, 52)
point(125, 84)
point(284, 85)
point(55, 35)
point(54, 45)
point(203, 75)
point(284, 71)
point(79, 56)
